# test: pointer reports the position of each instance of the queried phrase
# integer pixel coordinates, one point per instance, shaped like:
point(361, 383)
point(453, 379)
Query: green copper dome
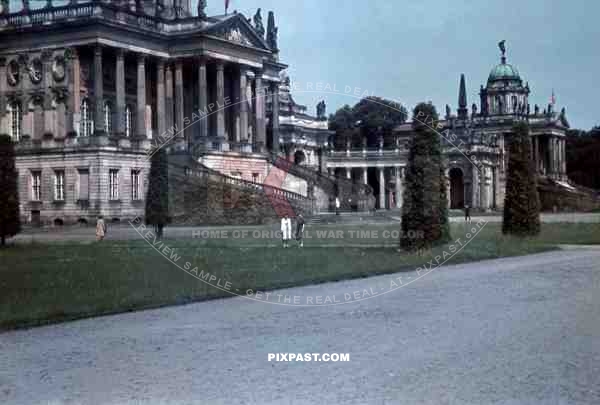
point(504, 71)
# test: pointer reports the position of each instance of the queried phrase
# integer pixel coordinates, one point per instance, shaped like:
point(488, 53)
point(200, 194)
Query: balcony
point(94, 10)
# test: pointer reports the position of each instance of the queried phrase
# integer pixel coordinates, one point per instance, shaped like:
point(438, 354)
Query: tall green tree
point(522, 201)
point(9, 194)
point(157, 199)
point(424, 212)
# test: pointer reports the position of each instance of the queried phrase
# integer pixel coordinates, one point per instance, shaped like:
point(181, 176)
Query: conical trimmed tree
point(157, 199)
point(9, 195)
point(521, 202)
point(424, 211)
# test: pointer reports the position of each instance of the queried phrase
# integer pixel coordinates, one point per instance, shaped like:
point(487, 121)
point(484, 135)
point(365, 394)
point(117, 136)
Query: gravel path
point(510, 331)
point(126, 232)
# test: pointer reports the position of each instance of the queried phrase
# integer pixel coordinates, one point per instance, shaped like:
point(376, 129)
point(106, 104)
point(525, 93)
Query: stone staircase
point(200, 195)
point(352, 196)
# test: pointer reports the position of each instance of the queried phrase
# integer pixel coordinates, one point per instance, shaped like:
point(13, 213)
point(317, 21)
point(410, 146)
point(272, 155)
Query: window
point(128, 121)
point(113, 184)
point(59, 185)
point(136, 185)
point(107, 117)
point(83, 193)
point(86, 126)
point(15, 121)
point(36, 186)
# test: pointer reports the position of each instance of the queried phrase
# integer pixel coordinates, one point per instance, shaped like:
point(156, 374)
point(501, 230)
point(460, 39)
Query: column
point(3, 101)
point(250, 108)
point(564, 156)
point(235, 108)
point(74, 102)
point(98, 93)
point(259, 109)
point(243, 105)
point(483, 188)
point(474, 187)
point(399, 187)
point(179, 114)
point(365, 176)
point(381, 188)
point(120, 92)
point(495, 187)
point(141, 97)
point(275, 118)
point(202, 98)
point(220, 100)
point(160, 98)
point(49, 115)
point(536, 153)
point(169, 99)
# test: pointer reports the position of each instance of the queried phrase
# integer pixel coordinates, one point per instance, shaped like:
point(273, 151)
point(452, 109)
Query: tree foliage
point(157, 199)
point(521, 202)
point(9, 195)
point(424, 212)
point(583, 157)
point(371, 118)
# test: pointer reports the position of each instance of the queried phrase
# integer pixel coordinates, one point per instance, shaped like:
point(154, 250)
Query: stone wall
point(554, 196)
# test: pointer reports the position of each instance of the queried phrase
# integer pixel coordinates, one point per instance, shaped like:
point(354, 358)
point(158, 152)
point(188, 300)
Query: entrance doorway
point(457, 189)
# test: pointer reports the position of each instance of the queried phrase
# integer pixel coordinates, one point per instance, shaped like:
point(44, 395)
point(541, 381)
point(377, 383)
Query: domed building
point(474, 145)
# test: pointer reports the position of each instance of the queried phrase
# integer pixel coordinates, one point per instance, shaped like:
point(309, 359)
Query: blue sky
point(415, 51)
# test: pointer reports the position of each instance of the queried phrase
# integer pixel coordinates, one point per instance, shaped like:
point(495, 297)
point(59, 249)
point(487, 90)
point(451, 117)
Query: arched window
point(107, 117)
point(15, 120)
point(86, 125)
point(128, 121)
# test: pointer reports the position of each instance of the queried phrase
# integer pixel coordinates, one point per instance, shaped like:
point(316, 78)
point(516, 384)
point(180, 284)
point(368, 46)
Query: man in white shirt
point(286, 230)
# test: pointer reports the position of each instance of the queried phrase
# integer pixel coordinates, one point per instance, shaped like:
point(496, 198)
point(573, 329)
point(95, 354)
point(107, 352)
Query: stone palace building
point(476, 134)
point(88, 87)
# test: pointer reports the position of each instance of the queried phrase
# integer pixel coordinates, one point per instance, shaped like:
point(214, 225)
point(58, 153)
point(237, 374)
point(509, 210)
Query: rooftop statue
point(321, 110)
point(502, 46)
point(258, 24)
point(447, 111)
point(272, 32)
point(201, 9)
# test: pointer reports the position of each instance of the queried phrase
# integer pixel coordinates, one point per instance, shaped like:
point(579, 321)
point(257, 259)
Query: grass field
point(42, 283)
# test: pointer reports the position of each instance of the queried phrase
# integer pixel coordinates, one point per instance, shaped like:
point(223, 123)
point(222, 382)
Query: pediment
point(237, 30)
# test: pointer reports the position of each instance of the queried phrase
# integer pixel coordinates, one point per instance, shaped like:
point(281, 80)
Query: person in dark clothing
point(467, 214)
point(300, 229)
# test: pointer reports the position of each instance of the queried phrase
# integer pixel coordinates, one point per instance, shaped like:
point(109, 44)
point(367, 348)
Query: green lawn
point(41, 283)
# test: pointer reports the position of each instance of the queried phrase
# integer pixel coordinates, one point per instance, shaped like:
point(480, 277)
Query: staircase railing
point(351, 195)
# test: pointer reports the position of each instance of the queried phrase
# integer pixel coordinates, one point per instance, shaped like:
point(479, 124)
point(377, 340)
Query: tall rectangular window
point(113, 184)
point(59, 185)
point(136, 185)
point(36, 186)
point(84, 185)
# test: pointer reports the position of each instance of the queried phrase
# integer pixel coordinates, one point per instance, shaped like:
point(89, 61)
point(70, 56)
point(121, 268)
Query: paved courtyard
point(519, 330)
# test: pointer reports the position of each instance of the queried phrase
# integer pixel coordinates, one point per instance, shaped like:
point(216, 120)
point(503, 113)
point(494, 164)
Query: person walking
point(300, 229)
point(286, 230)
point(467, 214)
point(337, 206)
point(100, 228)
